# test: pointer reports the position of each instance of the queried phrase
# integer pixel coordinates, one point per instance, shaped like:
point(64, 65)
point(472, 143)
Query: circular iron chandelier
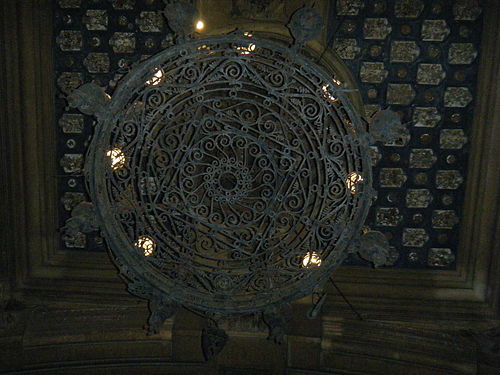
point(230, 174)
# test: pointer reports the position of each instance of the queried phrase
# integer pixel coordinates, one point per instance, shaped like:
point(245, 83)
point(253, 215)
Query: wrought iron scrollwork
point(234, 163)
point(229, 174)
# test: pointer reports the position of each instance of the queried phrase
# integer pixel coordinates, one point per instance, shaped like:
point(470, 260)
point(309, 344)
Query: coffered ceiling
point(434, 62)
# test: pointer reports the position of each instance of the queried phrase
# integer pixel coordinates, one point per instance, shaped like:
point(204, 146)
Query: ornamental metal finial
point(181, 17)
point(305, 25)
point(89, 98)
point(213, 340)
point(386, 126)
point(373, 247)
point(161, 308)
point(83, 220)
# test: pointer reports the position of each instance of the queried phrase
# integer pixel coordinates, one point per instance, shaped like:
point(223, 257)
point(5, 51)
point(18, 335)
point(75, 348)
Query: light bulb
point(311, 259)
point(156, 78)
point(200, 25)
point(147, 244)
point(117, 158)
point(352, 180)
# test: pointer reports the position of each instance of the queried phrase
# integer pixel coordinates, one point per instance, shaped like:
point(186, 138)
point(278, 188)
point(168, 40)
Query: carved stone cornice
point(36, 335)
point(352, 345)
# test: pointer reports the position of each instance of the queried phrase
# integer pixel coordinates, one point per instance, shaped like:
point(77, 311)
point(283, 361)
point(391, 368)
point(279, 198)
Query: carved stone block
point(388, 217)
point(97, 62)
point(349, 7)
point(123, 42)
point(466, 10)
point(70, 200)
point(375, 155)
point(408, 8)
point(77, 240)
point(402, 94)
point(415, 237)
point(70, 3)
point(427, 117)
point(457, 97)
point(435, 30)
point(461, 53)
point(347, 49)
point(392, 177)
point(123, 4)
point(70, 40)
point(418, 198)
point(373, 72)
point(448, 179)
point(72, 163)
point(444, 219)
point(96, 19)
point(150, 22)
point(404, 51)
point(422, 158)
point(69, 81)
point(71, 123)
point(376, 28)
point(453, 139)
point(430, 74)
point(440, 257)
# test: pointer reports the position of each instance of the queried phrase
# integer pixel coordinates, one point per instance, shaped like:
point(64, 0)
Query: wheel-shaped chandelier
point(230, 174)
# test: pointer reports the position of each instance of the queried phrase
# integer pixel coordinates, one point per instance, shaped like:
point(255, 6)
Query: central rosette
point(229, 179)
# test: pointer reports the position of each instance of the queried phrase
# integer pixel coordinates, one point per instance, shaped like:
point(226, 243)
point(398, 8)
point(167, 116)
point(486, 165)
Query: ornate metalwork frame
point(230, 175)
point(336, 151)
